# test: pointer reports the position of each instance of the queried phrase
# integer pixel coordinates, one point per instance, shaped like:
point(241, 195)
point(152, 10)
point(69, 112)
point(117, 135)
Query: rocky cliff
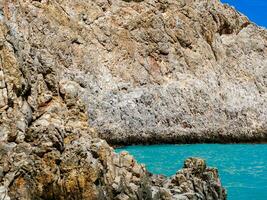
point(170, 71)
point(72, 71)
point(151, 71)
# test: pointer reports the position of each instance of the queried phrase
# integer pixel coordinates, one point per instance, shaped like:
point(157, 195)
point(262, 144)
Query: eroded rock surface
point(137, 71)
point(152, 70)
point(173, 71)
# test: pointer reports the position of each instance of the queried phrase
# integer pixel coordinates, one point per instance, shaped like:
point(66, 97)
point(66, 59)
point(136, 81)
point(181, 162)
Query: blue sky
point(255, 10)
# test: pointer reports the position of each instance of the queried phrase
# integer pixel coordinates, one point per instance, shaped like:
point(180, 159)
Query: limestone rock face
point(72, 71)
point(171, 71)
point(151, 71)
point(154, 70)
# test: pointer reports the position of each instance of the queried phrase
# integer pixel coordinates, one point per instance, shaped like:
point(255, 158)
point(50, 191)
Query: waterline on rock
point(242, 167)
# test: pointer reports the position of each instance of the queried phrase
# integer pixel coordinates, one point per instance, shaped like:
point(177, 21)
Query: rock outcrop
point(72, 71)
point(179, 72)
point(152, 71)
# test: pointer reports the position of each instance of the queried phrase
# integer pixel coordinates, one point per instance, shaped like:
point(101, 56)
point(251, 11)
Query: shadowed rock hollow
point(129, 72)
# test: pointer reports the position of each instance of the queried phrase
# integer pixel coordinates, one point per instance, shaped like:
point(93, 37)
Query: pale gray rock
point(172, 71)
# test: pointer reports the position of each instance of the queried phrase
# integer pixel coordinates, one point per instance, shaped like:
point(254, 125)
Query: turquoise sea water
point(242, 167)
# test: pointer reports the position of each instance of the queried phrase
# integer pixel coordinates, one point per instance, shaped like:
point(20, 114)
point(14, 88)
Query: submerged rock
point(137, 71)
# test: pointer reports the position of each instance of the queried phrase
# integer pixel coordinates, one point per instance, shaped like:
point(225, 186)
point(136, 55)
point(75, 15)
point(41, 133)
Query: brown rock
point(131, 72)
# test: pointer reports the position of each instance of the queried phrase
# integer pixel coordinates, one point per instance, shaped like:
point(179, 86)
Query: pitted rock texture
point(153, 70)
point(195, 175)
point(174, 71)
point(178, 71)
point(48, 75)
point(72, 71)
